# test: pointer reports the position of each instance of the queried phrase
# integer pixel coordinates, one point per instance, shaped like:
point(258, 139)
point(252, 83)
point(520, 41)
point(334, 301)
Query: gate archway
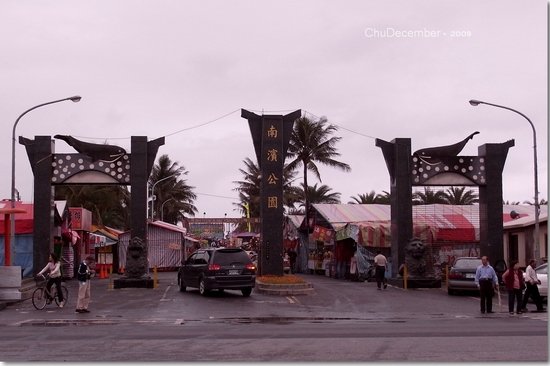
point(442, 166)
point(94, 164)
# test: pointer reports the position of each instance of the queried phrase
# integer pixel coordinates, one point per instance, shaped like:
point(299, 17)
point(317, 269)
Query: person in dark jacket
point(85, 272)
point(513, 279)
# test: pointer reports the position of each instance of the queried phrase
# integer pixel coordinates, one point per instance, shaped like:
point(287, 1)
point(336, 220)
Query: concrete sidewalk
point(105, 301)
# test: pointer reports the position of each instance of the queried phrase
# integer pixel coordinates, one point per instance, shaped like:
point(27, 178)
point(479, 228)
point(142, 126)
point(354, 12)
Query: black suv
point(218, 269)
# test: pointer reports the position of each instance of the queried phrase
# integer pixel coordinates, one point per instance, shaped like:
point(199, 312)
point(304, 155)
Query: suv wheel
point(182, 285)
point(246, 291)
point(202, 287)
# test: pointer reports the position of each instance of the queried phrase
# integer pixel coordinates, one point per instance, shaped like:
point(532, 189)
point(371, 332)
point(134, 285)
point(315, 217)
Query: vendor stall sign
point(323, 234)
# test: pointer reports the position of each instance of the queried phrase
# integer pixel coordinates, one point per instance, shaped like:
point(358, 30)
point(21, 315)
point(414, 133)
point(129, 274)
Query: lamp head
point(76, 98)
point(475, 102)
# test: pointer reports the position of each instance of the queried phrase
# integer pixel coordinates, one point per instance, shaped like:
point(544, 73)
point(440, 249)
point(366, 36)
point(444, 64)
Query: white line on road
point(165, 293)
point(292, 300)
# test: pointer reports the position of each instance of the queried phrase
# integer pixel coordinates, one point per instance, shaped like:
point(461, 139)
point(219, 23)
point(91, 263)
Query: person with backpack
point(84, 274)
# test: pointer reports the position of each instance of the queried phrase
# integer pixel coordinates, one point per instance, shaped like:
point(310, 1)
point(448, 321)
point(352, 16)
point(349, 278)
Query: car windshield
point(467, 263)
point(227, 257)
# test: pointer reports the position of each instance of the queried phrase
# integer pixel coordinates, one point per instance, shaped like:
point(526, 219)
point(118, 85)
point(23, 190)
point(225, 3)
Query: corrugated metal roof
point(339, 215)
point(438, 215)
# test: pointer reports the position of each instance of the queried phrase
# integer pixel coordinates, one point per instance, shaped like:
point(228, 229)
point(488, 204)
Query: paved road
point(341, 321)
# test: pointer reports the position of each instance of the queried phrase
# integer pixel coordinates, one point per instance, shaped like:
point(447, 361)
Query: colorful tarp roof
point(369, 224)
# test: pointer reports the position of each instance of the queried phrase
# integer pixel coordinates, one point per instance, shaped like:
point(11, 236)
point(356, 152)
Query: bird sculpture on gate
point(433, 155)
point(101, 152)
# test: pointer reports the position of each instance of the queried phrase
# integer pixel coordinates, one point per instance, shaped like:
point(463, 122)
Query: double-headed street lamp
point(537, 205)
point(153, 193)
point(75, 99)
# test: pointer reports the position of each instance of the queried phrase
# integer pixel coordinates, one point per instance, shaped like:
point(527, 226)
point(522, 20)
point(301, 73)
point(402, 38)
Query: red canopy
point(24, 222)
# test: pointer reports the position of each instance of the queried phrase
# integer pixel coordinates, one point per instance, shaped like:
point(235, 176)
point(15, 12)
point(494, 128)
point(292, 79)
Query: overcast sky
point(383, 69)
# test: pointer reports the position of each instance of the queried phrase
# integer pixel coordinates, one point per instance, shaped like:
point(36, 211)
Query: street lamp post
point(162, 208)
point(536, 251)
point(153, 193)
point(74, 99)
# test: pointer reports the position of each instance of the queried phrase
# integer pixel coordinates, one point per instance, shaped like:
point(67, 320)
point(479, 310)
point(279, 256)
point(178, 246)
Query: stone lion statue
point(415, 257)
point(136, 258)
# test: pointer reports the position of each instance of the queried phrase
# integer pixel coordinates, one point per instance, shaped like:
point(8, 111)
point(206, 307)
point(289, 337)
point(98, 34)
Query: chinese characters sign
point(271, 136)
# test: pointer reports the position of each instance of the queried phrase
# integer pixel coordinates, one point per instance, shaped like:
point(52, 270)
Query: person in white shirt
point(532, 282)
point(54, 267)
point(380, 262)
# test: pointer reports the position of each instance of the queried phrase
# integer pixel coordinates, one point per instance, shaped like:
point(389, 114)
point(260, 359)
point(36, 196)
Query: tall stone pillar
point(271, 136)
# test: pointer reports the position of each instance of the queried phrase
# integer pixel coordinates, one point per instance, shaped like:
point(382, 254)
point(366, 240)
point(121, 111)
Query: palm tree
point(429, 197)
point(174, 192)
point(372, 197)
point(249, 189)
point(510, 203)
point(311, 143)
point(541, 202)
point(457, 196)
point(320, 194)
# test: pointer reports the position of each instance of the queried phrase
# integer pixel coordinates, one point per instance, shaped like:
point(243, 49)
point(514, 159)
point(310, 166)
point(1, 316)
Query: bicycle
point(42, 297)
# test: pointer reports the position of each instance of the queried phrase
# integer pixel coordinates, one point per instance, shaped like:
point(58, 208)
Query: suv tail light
point(214, 267)
point(250, 266)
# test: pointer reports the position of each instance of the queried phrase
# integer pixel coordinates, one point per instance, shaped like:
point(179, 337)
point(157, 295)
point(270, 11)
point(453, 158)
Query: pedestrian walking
point(486, 281)
point(292, 258)
point(532, 282)
point(515, 284)
point(54, 267)
point(85, 272)
point(380, 262)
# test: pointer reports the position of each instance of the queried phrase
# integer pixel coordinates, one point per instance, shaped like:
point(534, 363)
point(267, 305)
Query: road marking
point(165, 293)
point(292, 300)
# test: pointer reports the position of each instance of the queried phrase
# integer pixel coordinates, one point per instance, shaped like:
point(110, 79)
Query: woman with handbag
point(513, 279)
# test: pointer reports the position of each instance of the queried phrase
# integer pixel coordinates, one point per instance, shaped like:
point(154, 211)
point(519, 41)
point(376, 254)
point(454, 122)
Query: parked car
point(218, 269)
point(462, 275)
point(542, 275)
point(463, 272)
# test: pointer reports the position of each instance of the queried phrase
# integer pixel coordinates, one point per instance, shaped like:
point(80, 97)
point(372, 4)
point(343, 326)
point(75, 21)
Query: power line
point(214, 195)
point(203, 124)
point(342, 127)
point(226, 115)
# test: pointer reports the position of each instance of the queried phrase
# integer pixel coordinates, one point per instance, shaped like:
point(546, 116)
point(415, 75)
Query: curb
point(283, 290)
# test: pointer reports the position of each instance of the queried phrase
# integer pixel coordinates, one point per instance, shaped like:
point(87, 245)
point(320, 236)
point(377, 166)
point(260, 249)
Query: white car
point(542, 275)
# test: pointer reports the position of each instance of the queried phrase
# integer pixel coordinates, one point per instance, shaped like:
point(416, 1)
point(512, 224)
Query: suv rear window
point(225, 257)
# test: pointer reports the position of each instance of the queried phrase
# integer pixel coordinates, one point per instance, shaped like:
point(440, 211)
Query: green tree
point(312, 143)
point(177, 196)
point(458, 196)
point(249, 189)
point(429, 197)
point(107, 203)
point(541, 202)
point(319, 194)
point(371, 197)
